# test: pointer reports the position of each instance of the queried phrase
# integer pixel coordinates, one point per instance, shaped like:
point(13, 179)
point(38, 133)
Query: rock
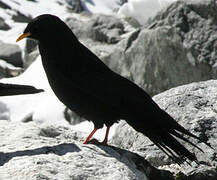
point(3, 25)
point(194, 107)
point(74, 6)
point(30, 151)
point(11, 53)
point(8, 70)
point(105, 28)
point(81, 27)
point(155, 60)
point(20, 17)
point(31, 52)
point(99, 27)
point(4, 113)
point(72, 117)
point(195, 25)
point(4, 5)
point(121, 2)
point(78, 27)
point(11, 9)
point(177, 47)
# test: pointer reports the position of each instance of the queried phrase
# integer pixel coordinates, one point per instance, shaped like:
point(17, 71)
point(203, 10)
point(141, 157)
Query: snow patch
point(141, 10)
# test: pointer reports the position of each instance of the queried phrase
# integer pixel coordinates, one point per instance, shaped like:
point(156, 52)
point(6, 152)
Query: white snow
point(101, 6)
point(33, 9)
point(141, 10)
point(45, 107)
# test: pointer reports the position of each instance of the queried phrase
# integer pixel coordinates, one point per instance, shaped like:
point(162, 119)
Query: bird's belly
point(85, 105)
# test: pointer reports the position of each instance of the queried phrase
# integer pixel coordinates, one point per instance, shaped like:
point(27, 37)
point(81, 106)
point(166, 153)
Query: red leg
point(91, 134)
point(106, 136)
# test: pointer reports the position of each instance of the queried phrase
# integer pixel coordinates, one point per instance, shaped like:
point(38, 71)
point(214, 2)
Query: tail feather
point(173, 147)
point(185, 139)
point(165, 132)
point(175, 158)
point(173, 125)
point(186, 132)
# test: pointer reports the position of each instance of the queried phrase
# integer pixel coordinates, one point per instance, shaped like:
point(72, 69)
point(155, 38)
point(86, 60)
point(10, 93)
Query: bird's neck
point(57, 56)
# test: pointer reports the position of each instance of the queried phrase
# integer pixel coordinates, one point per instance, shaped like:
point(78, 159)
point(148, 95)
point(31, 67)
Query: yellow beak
point(23, 36)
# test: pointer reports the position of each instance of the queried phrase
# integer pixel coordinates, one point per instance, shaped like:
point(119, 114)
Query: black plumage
point(88, 87)
point(17, 89)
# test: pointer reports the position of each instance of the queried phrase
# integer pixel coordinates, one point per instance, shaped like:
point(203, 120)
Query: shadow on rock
point(133, 160)
point(60, 150)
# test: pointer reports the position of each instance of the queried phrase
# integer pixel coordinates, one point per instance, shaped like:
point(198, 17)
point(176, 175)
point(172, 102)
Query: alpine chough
point(89, 88)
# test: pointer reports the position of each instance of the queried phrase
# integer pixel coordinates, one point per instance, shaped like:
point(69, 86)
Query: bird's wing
point(93, 77)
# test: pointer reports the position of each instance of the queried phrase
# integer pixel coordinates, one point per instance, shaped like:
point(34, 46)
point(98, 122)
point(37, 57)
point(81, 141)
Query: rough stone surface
point(193, 106)
point(30, 52)
point(74, 6)
point(102, 28)
point(11, 53)
point(8, 70)
point(29, 151)
point(106, 28)
point(72, 117)
point(3, 25)
point(4, 5)
point(196, 23)
point(165, 53)
point(121, 2)
point(20, 17)
point(156, 60)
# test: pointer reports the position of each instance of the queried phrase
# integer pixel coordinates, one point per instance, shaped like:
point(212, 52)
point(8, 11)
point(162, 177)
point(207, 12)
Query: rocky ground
point(32, 151)
point(29, 151)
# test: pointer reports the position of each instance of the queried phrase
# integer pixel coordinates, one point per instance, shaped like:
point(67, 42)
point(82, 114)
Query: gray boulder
point(17, 15)
point(4, 5)
point(11, 53)
point(176, 47)
point(4, 25)
point(121, 2)
point(155, 60)
point(72, 118)
point(20, 17)
point(106, 29)
point(74, 6)
point(99, 27)
point(195, 22)
point(31, 52)
point(193, 106)
point(29, 151)
point(8, 70)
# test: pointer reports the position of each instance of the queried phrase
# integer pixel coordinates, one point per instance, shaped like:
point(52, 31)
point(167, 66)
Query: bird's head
point(43, 27)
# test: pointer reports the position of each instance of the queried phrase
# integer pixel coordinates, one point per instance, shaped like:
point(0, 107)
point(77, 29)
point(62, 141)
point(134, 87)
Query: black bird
point(89, 88)
point(17, 89)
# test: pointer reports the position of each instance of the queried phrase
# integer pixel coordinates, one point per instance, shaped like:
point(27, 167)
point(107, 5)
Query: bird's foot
point(104, 143)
